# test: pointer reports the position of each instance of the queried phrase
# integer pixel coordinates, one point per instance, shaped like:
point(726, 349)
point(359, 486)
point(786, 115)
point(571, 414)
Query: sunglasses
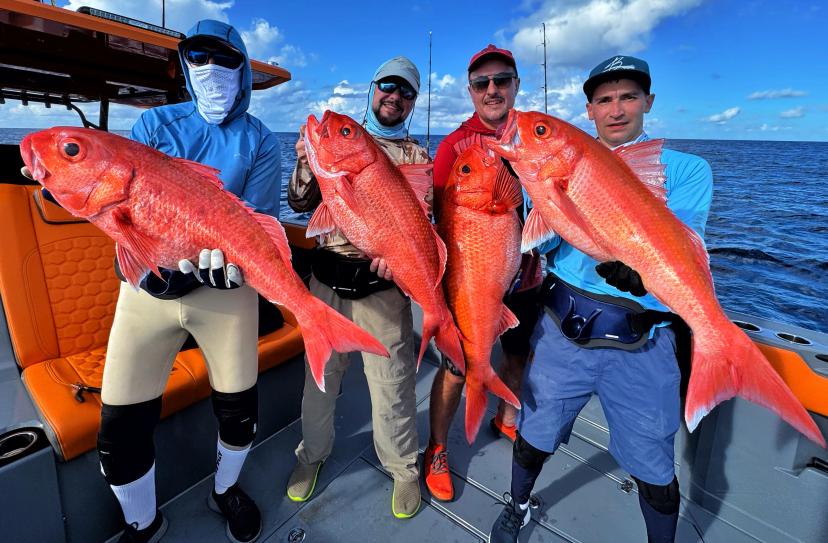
point(406, 90)
point(200, 55)
point(501, 81)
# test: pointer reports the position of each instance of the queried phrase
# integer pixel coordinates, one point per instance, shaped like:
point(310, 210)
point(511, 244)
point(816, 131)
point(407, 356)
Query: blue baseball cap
point(618, 67)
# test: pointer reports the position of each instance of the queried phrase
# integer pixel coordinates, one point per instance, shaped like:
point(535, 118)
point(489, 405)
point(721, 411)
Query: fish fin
point(137, 259)
point(507, 320)
point(346, 191)
point(476, 400)
point(419, 177)
point(322, 221)
point(276, 233)
point(644, 159)
point(737, 367)
point(506, 188)
point(535, 231)
point(327, 331)
point(208, 173)
point(442, 255)
point(446, 336)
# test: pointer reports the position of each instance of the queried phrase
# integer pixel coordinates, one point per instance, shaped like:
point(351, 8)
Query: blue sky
point(722, 69)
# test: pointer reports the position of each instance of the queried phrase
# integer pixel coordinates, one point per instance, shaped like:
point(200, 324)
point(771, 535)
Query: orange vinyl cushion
point(59, 291)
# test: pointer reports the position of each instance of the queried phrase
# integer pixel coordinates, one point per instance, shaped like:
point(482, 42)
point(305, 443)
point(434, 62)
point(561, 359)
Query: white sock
point(228, 466)
point(137, 499)
point(524, 506)
point(528, 514)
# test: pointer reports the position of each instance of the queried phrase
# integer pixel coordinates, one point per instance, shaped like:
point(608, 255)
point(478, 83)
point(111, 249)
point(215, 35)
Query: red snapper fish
point(612, 206)
point(161, 209)
point(369, 199)
point(480, 226)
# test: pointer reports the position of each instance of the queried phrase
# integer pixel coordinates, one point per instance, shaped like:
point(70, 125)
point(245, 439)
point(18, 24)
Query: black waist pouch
point(350, 278)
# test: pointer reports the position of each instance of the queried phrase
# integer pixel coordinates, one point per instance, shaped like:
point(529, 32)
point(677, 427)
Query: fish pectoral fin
point(507, 320)
point(506, 188)
point(346, 191)
point(139, 250)
point(322, 222)
point(644, 159)
point(276, 233)
point(133, 270)
point(442, 254)
point(207, 173)
point(535, 231)
point(419, 178)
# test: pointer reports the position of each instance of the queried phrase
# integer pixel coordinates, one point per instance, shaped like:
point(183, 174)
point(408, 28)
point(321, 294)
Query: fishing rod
point(545, 105)
point(428, 114)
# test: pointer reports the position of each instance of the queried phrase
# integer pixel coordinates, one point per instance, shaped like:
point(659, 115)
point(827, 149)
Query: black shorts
point(526, 308)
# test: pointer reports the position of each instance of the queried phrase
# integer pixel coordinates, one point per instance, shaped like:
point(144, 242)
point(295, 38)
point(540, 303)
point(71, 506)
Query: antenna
point(428, 116)
point(545, 104)
point(163, 14)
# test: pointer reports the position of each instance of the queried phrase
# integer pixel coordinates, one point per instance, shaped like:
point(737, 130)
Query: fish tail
point(446, 336)
point(738, 367)
point(476, 400)
point(328, 330)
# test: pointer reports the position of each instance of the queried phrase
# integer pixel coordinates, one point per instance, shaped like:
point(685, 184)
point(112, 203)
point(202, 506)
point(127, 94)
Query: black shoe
point(151, 534)
point(244, 522)
point(508, 524)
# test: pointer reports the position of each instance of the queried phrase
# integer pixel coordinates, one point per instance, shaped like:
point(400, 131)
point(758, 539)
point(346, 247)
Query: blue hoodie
point(242, 147)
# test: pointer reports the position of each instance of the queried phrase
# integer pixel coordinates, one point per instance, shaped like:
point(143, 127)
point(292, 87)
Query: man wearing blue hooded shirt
point(152, 323)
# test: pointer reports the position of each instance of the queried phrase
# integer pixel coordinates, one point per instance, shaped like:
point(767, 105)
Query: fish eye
point(71, 149)
point(345, 131)
point(541, 130)
point(465, 169)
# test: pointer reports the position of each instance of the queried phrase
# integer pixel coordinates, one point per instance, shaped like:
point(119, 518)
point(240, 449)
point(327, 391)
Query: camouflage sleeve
point(303, 189)
point(420, 156)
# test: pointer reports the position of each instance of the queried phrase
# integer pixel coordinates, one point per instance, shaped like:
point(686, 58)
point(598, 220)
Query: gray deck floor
point(579, 493)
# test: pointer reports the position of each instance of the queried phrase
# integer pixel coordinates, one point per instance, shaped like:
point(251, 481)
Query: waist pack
point(596, 320)
point(350, 278)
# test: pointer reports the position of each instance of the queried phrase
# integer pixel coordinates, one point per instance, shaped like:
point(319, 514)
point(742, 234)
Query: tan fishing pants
point(387, 316)
point(147, 333)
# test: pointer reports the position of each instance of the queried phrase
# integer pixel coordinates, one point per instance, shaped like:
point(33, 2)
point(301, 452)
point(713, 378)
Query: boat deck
point(581, 496)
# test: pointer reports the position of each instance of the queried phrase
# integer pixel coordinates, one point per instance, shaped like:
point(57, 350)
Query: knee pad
point(125, 446)
point(238, 415)
point(663, 498)
point(527, 456)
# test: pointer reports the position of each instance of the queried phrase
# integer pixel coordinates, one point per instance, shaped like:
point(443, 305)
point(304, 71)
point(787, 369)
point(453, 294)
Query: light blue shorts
point(638, 390)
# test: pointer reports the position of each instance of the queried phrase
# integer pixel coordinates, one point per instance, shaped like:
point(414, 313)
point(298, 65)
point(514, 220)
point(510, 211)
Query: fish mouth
point(507, 145)
point(32, 161)
point(314, 132)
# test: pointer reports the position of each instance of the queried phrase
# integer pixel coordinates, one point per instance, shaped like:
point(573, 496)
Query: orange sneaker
point(500, 429)
point(437, 476)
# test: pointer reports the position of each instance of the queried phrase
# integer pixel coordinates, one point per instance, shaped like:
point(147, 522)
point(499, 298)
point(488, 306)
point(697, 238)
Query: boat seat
point(59, 291)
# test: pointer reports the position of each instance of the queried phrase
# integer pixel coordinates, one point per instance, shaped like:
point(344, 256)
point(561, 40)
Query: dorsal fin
point(206, 172)
point(276, 232)
point(506, 188)
point(419, 177)
point(644, 159)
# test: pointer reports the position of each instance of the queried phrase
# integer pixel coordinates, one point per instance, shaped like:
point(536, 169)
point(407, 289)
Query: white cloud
point(773, 94)
point(724, 116)
point(794, 113)
point(261, 38)
point(580, 32)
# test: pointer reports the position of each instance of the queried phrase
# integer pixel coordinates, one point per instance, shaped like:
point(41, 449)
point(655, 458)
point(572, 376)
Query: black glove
point(212, 272)
point(622, 277)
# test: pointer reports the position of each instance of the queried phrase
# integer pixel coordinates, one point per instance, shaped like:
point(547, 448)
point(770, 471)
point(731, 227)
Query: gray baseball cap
point(618, 67)
point(399, 67)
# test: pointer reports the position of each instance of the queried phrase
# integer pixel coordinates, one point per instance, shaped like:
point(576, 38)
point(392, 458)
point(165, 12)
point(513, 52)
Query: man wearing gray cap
point(362, 290)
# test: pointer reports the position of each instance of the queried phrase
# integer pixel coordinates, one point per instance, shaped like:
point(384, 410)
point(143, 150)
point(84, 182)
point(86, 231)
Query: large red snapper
point(368, 198)
point(161, 209)
point(611, 206)
point(480, 226)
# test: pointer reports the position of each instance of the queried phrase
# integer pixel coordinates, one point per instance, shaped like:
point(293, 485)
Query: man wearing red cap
point(493, 86)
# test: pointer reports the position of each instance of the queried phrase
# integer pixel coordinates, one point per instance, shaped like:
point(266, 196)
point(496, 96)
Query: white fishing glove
point(212, 271)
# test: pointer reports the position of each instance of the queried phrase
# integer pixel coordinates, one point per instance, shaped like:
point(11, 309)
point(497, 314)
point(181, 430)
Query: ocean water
point(767, 234)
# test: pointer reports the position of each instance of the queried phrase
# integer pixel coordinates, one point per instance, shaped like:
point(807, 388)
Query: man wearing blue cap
point(633, 366)
point(362, 290)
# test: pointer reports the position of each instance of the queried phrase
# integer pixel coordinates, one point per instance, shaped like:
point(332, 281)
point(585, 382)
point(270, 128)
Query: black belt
point(595, 320)
point(351, 278)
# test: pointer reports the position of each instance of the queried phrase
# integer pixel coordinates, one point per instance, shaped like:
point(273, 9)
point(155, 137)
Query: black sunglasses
point(501, 81)
point(406, 90)
point(200, 55)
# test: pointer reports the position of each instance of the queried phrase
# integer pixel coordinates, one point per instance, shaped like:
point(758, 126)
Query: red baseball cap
point(491, 51)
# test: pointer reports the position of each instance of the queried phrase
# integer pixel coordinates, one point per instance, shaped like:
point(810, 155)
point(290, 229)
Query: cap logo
point(618, 64)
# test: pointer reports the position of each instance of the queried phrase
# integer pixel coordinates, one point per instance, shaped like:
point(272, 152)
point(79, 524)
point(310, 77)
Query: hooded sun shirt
point(239, 145)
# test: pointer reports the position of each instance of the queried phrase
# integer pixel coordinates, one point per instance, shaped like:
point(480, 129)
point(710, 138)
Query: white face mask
point(216, 89)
